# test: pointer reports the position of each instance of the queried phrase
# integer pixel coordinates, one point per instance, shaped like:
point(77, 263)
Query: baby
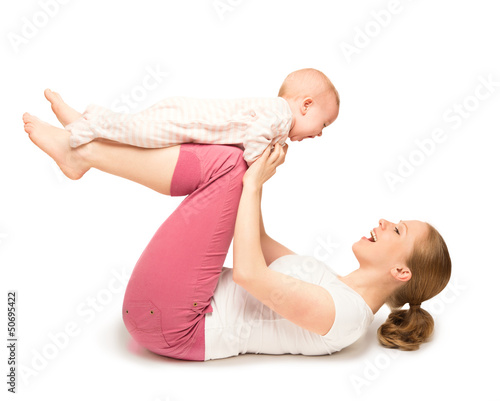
point(307, 102)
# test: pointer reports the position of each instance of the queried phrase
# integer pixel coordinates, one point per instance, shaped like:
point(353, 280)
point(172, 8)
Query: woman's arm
point(271, 248)
point(308, 305)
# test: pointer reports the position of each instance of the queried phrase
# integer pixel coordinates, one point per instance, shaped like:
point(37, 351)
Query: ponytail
point(406, 329)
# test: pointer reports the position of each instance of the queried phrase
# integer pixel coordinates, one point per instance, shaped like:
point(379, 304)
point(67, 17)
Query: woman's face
point(393, 243)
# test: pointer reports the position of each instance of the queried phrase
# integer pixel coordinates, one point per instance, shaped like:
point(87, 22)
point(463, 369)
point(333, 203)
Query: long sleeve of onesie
point(252, 124)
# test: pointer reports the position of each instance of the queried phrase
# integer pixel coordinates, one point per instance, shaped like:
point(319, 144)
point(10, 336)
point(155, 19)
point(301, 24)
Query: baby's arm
point(271, 126)
point(254, 146)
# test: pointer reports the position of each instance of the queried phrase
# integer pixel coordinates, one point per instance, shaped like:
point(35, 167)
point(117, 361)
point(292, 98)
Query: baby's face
point(312, 116)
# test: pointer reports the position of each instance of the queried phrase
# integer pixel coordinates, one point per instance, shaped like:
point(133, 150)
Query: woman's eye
point(396, 229)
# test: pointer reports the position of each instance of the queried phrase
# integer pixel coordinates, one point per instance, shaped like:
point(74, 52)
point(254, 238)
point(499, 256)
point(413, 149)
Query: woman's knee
point(218, 160)
point(235, 161)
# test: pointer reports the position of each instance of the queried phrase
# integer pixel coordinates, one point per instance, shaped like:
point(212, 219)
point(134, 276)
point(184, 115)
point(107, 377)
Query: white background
point(63, 242)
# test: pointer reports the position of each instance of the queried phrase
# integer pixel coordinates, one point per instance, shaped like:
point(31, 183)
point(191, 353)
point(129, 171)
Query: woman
point(180, 302)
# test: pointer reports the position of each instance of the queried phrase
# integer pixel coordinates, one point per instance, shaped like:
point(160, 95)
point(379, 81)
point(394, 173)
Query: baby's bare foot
point(55, 142)
point(64, 113)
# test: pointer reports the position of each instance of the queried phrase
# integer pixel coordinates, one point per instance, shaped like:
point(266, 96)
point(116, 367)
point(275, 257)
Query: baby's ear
point(306, 104)
point(308, 101)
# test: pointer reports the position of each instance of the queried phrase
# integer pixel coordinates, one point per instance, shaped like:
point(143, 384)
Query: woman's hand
point(265, 166)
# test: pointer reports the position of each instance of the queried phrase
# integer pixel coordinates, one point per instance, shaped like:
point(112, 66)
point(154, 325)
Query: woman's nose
point(384, 224)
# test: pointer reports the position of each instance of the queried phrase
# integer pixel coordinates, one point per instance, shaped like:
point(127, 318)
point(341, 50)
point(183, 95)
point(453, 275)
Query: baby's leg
point(152, 168)
point(152, 128)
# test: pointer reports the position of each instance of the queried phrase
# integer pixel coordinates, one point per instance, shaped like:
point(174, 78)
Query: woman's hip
point(175, 331)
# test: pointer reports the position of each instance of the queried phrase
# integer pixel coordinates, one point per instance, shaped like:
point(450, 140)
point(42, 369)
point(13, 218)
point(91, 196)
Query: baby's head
point(314, 102)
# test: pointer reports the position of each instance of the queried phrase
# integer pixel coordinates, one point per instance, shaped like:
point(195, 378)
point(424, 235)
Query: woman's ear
point(401, 273)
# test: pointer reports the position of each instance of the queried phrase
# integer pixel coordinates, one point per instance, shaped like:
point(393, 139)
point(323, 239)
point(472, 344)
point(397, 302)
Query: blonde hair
point(307, 82)
point(430, 265)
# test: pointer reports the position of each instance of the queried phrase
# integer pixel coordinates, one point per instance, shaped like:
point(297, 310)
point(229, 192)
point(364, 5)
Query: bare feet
point(64, 113)
point(54, 141)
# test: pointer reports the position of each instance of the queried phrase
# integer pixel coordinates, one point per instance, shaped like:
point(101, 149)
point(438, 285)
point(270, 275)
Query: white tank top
point(240, 323)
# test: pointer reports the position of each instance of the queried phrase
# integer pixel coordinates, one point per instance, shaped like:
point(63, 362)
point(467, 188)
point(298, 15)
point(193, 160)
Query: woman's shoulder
point(304, 267)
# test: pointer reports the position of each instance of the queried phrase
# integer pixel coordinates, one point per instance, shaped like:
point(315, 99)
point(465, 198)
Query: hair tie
point(415, 306)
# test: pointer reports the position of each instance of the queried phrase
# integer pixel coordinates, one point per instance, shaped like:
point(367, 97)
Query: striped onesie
point(251, 124)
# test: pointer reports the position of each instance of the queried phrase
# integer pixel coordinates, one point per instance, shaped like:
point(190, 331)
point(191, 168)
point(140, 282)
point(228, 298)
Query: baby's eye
point(396, 229)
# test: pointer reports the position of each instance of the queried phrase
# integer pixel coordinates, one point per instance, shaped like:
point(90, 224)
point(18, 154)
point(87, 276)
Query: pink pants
point(174, 280)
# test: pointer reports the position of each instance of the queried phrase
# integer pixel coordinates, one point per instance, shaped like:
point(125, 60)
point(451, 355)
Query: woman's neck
point(371, 285)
